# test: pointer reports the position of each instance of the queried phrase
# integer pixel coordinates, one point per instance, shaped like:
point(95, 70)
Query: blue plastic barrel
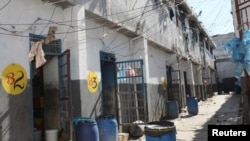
point(86, 129)
point(160, 131)
point(108, 128)
point(172, 109)
point(192, 105)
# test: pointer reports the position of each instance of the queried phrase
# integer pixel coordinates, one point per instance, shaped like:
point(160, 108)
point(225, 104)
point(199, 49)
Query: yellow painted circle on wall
point(164, 84)
point(14, 79)
point(93, 82)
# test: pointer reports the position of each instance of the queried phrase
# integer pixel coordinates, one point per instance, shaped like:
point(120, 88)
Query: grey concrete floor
point(224, 109)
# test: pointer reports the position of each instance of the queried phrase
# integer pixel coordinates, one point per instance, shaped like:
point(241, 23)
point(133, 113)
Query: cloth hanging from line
point(37, 52)
point(51, 35)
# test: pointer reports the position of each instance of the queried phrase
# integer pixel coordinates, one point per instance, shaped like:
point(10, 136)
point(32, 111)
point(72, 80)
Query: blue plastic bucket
point(172, 109)
point(108, 128)
point(86, 129)
point(192, 105)
point(160, 131)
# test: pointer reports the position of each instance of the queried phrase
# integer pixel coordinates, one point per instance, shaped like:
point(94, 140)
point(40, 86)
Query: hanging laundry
point(121, 73)
point(130, 72)
point(37, 52)
point(51, 34)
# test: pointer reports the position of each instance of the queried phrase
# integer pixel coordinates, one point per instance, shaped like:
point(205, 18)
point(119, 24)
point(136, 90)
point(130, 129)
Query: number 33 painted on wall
point(93, 82)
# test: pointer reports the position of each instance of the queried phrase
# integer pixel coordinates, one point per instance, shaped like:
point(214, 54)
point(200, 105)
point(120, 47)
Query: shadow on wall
point(159, 102)
point(15, 116)
point(95, 112)
point(92, 4)
point(77, 103)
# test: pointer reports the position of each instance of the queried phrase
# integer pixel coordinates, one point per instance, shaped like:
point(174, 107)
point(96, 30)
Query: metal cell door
point(175, 89)
point(174, 84)
point(131, 95)
point(65, 93)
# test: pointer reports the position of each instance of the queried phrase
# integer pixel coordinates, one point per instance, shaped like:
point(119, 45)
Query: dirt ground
point(224, 109)
point(217, 110)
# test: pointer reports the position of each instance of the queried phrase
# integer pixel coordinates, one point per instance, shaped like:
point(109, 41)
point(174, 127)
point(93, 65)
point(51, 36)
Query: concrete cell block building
point(91, 58)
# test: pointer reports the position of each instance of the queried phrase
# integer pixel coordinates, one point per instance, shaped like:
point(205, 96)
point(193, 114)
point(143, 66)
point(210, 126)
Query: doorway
point(51, 90)
point(108, 74)
point(38, 102)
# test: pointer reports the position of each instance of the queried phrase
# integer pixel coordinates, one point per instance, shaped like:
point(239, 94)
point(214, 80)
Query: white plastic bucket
point(38, 135)
point(51, 135)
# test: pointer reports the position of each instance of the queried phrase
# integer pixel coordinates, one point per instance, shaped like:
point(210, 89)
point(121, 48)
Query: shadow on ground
point(224, 116)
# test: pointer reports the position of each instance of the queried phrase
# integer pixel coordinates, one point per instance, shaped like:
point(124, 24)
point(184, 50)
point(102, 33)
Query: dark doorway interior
point(38, 102)
point(108, 74)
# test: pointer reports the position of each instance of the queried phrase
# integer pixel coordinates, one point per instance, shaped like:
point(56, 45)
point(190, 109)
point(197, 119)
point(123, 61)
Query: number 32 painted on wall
point(14, 79)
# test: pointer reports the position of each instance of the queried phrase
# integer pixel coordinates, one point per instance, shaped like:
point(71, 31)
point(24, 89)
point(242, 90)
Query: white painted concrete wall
point(20, 19)
point(86, 44)
point(157, 61)
point(221, 53)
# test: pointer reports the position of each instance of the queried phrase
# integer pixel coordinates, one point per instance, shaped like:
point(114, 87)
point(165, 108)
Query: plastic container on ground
point(160, 131)
point(108, 128)
point(192, 105)
point(38, 135)
point(51, 135)
point(172, 109)
point(85, 129)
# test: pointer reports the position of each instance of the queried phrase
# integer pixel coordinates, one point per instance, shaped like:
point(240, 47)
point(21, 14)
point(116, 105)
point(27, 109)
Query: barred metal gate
point(131, 95)
point(65, 97)
point(174, 84)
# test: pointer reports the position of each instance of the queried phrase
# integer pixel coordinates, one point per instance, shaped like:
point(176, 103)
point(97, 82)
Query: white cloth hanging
point(37, 52)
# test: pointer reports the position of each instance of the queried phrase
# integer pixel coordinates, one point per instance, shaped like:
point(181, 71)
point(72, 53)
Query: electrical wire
point(123, 21)
point(220, 15)
point(148, 16)
point(62, 23)
point(91, 28)
point(71, 18)
point(5, 5)
point(153, 24)
point(49, 20)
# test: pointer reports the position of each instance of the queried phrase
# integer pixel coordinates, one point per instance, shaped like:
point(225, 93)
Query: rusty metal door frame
point(175, 87)
point(65, 93)
point(131, 93)
point(242, 8)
